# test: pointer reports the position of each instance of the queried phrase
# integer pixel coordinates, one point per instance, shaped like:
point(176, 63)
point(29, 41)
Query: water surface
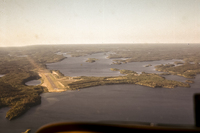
point(33, 82)
point(108, 103)
point(77, 66)
point(1, 75)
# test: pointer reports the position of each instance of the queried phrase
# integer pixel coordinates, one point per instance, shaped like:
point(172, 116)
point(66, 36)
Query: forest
point(17, 68)
point(131, 77)
point(186, 70)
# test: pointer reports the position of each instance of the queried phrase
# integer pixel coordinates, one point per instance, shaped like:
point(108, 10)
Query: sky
point(30, 22)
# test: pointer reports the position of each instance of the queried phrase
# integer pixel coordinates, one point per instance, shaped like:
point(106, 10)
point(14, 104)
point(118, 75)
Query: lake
point(77, 66)
point(132, 103)
point(33, 82)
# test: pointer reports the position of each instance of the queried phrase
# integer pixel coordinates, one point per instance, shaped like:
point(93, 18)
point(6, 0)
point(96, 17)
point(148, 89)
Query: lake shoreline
point(114, 80)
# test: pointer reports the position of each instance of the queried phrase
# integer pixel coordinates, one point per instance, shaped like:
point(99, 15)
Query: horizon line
point(46, 44)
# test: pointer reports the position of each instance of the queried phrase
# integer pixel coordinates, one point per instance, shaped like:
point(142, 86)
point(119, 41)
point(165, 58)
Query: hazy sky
point(28, 22)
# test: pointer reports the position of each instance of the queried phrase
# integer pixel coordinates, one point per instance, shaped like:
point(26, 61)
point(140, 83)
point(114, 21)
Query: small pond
point(33, 82)
point(1, 75)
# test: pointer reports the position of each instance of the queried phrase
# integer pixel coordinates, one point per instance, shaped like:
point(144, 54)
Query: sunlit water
point(108, 103)
point(33, 82)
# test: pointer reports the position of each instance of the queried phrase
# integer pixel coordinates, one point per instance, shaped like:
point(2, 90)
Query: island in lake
point(91, 60)
point(21, 64)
